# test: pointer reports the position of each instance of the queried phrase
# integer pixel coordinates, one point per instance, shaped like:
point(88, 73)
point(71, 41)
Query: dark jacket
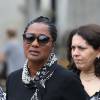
point(63, 85)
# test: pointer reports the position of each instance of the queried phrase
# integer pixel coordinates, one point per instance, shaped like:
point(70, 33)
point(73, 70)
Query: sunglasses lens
point(43, 39)
point(29, 38)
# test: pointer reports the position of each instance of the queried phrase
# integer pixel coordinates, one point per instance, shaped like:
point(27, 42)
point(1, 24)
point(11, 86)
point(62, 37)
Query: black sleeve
point(73, 89)
point(9, 86)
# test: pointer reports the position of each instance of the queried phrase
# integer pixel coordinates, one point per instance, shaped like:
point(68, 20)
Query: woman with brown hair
point(83, 54)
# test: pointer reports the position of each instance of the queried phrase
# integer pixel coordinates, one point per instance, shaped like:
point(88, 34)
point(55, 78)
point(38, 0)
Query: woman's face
point(37, 49)
point(83, 54)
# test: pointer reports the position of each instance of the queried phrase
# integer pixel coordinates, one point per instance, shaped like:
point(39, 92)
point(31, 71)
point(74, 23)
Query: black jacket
point(63, 85)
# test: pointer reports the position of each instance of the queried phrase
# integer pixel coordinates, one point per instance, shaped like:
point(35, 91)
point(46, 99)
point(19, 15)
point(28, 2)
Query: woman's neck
point(34, 67)
point(87, 75)
point(90, 82)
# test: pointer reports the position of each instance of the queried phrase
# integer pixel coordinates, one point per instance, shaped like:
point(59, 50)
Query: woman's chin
point(34, 58)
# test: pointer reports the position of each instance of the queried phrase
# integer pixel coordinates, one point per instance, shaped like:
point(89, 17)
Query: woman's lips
point(34, 52)
point(77, 61)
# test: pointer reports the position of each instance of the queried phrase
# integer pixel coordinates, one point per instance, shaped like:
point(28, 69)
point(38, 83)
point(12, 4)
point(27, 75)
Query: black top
point(63, 85)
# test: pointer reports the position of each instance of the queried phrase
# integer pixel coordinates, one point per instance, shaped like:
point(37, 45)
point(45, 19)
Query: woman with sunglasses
point(41, 77)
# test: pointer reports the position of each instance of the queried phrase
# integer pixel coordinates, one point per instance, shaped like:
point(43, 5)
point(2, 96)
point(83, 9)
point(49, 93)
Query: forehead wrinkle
point(77, 40)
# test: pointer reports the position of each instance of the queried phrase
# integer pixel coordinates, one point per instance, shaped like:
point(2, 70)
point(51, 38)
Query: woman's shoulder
point(17, 72)
point(69, 83)
point(65, 73)
point(15, 75)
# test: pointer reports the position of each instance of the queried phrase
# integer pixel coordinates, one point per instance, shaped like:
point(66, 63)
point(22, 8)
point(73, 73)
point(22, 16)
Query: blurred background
point(15, 14)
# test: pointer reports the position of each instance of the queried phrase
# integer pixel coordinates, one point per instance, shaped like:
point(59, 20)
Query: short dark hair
point(47, 21)
point(90, 33)
point(11, 32)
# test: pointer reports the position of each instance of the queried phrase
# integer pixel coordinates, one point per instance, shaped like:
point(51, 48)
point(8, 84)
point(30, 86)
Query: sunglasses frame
point(41, 38)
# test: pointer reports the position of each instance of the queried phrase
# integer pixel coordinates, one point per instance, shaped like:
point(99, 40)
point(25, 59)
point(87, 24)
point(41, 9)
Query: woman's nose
point(35, 43)
point(75, 52)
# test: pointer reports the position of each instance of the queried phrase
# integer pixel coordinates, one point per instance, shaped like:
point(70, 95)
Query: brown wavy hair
point(90, 33)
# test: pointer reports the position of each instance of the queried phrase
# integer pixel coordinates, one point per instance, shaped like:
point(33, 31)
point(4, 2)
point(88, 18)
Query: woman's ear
point(54, 44)
point(53, 47)
point(98, 53)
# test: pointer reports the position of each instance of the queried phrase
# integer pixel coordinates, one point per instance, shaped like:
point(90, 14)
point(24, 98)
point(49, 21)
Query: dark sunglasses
point(30, 37)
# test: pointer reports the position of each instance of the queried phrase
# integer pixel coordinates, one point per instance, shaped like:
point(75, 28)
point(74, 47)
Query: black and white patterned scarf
point(2, 94)
point(38, 81)
point(96, 96)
